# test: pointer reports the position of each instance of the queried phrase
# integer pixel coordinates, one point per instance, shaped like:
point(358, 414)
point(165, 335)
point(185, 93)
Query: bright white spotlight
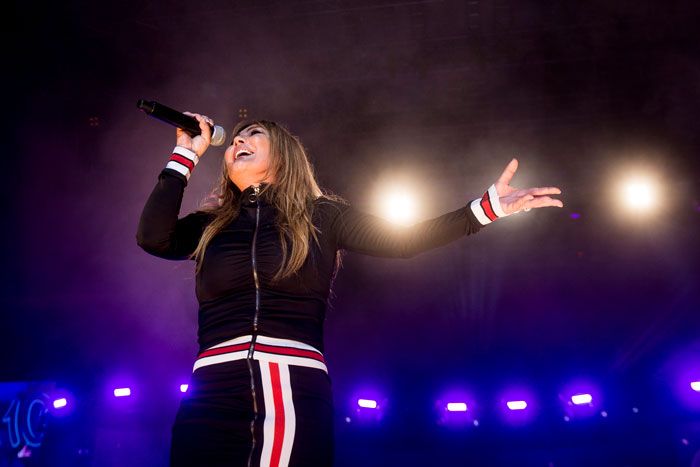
point(516, 405)
point(398, 206)
point(122, 392)
point(60, 403)
point(184, 387)
point(367, 403)
point(581, 399)
point(695, 386)
point(639, 194)
point(456, 407)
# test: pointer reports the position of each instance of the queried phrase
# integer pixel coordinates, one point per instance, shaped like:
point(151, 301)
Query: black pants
point(272, 410)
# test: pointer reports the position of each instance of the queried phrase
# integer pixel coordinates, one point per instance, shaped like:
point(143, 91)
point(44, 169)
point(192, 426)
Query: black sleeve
point(371, 235)
point(160, 232)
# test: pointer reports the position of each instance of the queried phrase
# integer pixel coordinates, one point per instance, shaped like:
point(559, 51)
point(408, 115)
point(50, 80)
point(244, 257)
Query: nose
point(238, 139)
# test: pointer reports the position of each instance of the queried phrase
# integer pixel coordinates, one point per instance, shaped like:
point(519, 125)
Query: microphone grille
point(218, 136)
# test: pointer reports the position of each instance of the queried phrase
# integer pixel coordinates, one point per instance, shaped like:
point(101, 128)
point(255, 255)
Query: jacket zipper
point(251, 349)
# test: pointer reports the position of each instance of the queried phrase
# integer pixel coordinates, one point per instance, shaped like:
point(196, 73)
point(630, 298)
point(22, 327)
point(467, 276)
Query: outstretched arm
point(364, 233)
point(361, 232)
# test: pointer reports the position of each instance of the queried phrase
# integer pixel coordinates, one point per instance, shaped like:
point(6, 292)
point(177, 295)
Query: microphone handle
point(165, 114)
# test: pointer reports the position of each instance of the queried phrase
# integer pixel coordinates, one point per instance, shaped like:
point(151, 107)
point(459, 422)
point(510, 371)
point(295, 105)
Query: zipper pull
point(253, 197)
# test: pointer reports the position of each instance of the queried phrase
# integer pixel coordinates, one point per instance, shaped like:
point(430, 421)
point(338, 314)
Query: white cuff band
point(183, 161)
point(487, 208)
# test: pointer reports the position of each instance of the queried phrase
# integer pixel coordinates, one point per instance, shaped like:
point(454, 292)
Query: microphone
point(189, 124)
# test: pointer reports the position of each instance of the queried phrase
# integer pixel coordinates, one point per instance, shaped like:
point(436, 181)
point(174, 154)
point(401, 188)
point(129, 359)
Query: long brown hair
point(292, 193)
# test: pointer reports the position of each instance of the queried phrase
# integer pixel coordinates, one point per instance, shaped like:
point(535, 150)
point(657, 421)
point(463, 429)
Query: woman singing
point(266, 256)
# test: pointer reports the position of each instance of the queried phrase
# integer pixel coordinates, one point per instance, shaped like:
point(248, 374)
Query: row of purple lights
point(516, 405)
point(452, 405)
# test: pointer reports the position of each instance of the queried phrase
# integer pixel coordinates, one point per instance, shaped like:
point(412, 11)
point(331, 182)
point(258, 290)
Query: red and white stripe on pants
point(274, 357)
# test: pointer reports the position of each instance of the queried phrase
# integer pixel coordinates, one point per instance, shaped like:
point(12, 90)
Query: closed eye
point(252, 132)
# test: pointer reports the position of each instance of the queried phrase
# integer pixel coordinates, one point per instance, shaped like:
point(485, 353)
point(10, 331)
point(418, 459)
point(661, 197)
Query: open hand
point(513, 200)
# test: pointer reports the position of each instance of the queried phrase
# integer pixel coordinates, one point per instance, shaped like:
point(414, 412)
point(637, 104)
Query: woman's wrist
point(487, 208)
point(183, 161)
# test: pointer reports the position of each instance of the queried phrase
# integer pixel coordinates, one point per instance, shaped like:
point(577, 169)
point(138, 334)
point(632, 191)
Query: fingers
point(524, 200)
point(202, 119)
point(541, 191)
point(204, 127)
point(542, 202)
point(508, 173)
point(199, 143)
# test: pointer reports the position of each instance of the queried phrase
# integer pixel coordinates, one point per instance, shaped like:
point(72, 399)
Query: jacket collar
point(248, 196)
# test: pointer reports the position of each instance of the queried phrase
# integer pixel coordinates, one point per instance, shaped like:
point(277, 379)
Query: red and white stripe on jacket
point(487, 208)
point(183, 161)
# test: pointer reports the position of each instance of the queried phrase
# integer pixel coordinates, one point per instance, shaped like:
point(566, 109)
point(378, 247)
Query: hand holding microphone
point(194, 131)
point(200, 142)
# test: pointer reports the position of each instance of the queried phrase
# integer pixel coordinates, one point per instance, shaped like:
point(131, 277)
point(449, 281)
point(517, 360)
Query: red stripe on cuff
point(279, 415)
point(183, 160)
point(486, 206)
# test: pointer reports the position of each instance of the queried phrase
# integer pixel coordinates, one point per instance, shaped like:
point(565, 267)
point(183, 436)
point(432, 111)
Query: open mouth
point(243, 154)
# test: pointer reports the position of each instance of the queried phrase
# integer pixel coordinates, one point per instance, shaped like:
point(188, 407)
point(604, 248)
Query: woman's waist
point(262, 348)
point(293, 325)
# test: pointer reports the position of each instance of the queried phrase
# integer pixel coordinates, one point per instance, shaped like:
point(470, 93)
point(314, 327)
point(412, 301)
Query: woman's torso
point(233, 303)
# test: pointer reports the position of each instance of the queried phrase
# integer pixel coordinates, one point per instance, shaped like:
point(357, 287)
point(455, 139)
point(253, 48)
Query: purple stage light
point(575, 215)
point(184, 387)
point(681, 370)
point(367, 403)
point(60, 403)
point(516, 405)
point(581, 399)
point(456, 406)
point(122, 392)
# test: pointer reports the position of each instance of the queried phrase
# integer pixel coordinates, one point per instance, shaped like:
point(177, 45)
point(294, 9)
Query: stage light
point(639, 194)
point(581, 399)
point(456, 407)
point(399, 206)
point(367, 403)
point(682, 371)
point(122, 392)
point(516, 405)
point(184, 387)
point(60, 403)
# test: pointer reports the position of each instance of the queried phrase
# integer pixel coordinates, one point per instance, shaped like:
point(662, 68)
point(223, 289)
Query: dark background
point(440, 94)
